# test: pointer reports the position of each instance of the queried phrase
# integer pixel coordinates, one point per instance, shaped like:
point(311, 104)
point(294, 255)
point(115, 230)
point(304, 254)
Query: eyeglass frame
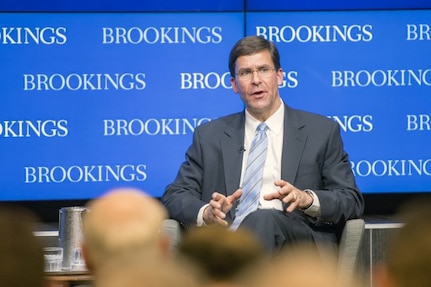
point(247, 74)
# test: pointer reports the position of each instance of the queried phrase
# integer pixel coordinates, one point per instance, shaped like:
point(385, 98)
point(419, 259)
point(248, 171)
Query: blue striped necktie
point(252, 182)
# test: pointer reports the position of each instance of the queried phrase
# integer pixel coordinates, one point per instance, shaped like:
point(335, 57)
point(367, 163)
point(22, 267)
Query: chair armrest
point(350, 242)
point(172, 228)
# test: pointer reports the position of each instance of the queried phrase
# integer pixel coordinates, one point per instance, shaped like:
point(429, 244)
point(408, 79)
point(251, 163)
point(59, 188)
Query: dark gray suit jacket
point(313, 158)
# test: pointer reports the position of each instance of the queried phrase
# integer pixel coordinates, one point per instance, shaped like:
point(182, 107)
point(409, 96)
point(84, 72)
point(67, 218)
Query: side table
point(69, 279)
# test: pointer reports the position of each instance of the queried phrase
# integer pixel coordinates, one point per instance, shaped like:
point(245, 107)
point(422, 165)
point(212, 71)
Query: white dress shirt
point(272, 169)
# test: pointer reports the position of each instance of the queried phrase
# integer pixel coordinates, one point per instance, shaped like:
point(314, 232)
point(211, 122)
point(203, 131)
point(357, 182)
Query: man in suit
point(308, 188)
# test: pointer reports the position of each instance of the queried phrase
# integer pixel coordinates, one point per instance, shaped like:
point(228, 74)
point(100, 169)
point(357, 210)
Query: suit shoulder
point(221, 122)
point(311, 118)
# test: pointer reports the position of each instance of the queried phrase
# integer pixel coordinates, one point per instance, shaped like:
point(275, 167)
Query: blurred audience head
point(222, 256)
point(21, 253)
point(304, 265)
point(408, 258)
point(122, 226)
point(154, 273)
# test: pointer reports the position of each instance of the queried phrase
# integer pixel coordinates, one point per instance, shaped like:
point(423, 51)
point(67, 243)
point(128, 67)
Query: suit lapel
point(231, 145)
point(293, 145)
point(294, 140)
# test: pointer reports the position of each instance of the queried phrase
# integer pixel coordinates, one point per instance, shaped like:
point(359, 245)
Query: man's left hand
point(288, 193)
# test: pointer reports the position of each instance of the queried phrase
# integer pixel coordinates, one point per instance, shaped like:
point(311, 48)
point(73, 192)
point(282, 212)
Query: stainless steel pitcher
point(70, 232)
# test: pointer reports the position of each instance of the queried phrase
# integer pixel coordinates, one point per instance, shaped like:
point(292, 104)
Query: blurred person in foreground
point(21, 253)
point(307, 190)
point(304, 265)
point(152, 274)
point(408, 257)
point(222, 257)
point(123, 230)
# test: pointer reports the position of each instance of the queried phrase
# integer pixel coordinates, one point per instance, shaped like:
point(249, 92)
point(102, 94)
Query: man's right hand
point(215, 212)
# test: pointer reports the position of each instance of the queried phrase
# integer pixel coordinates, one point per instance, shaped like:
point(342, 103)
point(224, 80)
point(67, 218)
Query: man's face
point(257, 83)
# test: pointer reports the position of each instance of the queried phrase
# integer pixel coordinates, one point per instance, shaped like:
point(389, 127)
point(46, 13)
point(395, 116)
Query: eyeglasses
point(247, 74)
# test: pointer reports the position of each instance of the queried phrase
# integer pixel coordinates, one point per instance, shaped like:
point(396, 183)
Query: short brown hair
point(252, 45)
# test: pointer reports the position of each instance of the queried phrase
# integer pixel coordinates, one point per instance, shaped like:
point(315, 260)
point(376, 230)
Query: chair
point(173, 229)
point(349, 246)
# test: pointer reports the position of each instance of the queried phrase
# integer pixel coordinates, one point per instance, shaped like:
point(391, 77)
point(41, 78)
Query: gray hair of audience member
point(123, 223)
point(21, 253)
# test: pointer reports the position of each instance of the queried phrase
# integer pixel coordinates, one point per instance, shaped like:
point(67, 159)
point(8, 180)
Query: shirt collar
point(274, 122)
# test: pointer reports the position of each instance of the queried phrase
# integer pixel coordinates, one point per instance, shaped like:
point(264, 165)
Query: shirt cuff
point(314, 209)
point(200, 218)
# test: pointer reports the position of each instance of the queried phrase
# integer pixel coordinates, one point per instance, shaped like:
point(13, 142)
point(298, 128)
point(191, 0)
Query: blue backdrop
point(94, 99)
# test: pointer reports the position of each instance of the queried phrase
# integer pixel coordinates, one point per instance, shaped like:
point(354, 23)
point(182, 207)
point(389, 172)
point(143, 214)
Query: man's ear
point(280, 76)
point(234, 86)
